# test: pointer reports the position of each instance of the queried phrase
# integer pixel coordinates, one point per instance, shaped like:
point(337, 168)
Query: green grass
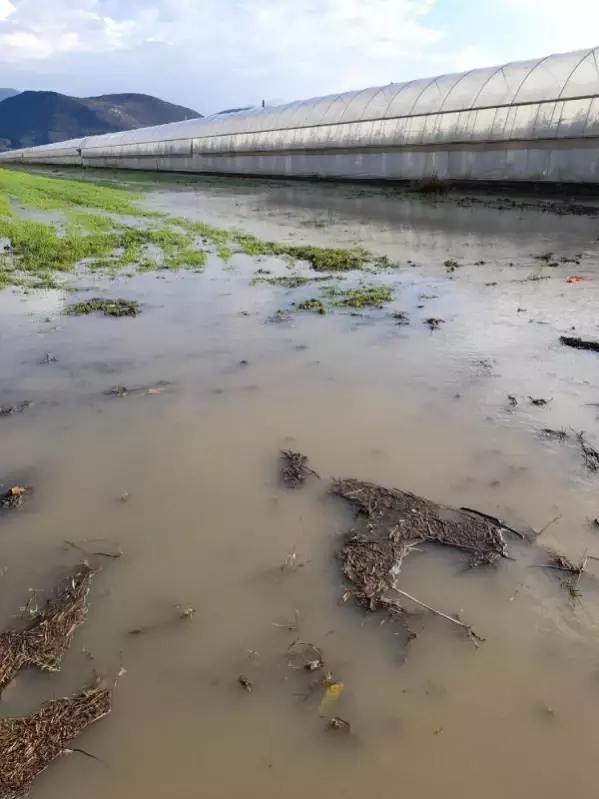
point(105, 306)
point(365, 296)
point(314, 305)
point(49, 194)
point(101, 224)
point(321, 259)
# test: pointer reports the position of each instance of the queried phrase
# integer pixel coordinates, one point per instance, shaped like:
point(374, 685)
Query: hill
point(5, 93)
point(33, 118)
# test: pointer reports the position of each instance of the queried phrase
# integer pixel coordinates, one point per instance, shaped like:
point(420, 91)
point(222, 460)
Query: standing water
point(180, 473)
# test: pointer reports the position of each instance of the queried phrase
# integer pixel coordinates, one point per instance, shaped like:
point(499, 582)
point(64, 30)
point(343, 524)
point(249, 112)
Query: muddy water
point(208, 526)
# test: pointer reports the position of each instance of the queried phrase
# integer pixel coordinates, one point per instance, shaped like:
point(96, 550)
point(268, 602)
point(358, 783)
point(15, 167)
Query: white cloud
point(219, 52)
point(6, 9)
point(559, 25)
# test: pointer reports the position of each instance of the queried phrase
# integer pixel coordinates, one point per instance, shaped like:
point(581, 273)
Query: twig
point(549, 523)
point(83, 752)
point(494, 519)
point(117, 554)
point(476, 638)
point(428, 607)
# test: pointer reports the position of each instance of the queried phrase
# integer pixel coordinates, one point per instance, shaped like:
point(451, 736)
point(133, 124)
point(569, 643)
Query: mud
point(207, 524)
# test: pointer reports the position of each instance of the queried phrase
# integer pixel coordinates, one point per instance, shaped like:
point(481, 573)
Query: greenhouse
point(525, 121)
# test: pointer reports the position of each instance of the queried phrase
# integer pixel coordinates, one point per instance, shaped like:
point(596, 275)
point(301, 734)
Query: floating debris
point(245, 683)
point(398, 521)
point(579, 343)
point(10, 410)
point(105, 306)
point(434, 323)
point(49, 358)
point(512, 400)
point(540, 402)
point(401, 318)
point(338, 724)
point(398, 518)
point(305, 656)
point(451, 265)
point(155, 389)
point(44, 641)
point(574, 570)
point(589, 453)
point(29, 744)
point(560, 435)
point(13, 498)
point(181, 614)
point(295, 469)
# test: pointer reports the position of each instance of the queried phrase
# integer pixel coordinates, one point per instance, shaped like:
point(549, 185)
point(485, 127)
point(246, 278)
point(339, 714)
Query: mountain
point(33, 118)
point(6, 93)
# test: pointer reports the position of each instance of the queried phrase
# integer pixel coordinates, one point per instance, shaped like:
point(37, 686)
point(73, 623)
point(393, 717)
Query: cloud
point(555, 24)
point(213, 53)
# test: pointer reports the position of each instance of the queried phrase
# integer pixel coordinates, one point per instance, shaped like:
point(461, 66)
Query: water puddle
point(180, 471)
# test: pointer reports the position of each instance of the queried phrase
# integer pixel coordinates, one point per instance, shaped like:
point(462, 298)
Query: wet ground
point(207, 525)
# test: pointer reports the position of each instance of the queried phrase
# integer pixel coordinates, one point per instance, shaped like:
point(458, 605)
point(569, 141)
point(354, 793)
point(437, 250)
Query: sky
point(215, 54)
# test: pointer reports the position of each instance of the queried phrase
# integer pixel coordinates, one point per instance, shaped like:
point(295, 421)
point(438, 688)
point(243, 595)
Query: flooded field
point(159, 436)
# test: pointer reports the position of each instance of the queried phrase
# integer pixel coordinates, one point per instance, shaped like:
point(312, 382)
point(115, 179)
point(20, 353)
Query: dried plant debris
point(29, 744)
point(558, 435)
point(107, 307)
point(154, 389)
point(339, 724)
point(401, 318)
point(540, 402)
point(434, 323)
point(579, 343)
point(11, 410)
point(589, 453)
point(398, 521)
point(305, 656)
point(398, 518)
point(574, 571)
point(44, 641)
point(13, 498)
point(179, 613)
point(295, 469)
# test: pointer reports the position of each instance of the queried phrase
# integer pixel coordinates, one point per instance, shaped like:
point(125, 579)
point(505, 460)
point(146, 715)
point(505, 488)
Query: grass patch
point(366, 296)
point(49, 194)
point(107, 307)
point(321, 259)
point(291, 281)
point(314, 305)
point(93, 233)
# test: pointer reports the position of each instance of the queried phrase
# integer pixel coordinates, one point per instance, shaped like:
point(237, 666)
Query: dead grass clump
point(44, 641)
point(396, 522)
point(14, 497)
point(295, 469)
point(398, 518)
point(29, 744)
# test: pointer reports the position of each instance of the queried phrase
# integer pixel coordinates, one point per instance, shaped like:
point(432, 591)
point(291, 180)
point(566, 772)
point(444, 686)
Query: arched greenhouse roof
point(556, 77)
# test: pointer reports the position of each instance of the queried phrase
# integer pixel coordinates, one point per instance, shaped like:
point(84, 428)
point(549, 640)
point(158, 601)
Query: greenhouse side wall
point(533, 121)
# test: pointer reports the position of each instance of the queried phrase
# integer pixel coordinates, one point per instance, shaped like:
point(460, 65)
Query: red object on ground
point(575, 279)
